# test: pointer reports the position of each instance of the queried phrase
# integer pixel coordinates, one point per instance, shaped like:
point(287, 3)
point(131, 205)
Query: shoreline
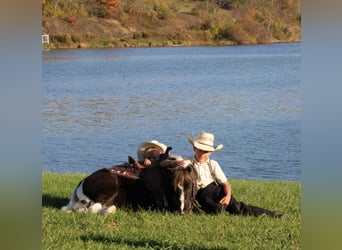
point(87, 46)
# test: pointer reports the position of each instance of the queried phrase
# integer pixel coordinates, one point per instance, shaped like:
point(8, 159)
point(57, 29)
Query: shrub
point(280, 31)
point(76, 38)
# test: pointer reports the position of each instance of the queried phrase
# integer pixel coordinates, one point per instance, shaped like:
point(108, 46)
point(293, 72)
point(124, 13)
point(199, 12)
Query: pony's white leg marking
point(95, 208)
point(181, 198)
point(108, 210)
point(98, 208)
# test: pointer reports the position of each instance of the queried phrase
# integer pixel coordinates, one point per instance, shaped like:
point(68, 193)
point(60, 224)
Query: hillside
point(170, 23)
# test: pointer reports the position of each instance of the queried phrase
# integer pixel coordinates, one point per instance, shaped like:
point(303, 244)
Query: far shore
point(51, 46)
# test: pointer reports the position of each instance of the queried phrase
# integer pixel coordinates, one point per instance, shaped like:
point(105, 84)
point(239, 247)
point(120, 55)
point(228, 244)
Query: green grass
point(156, 230)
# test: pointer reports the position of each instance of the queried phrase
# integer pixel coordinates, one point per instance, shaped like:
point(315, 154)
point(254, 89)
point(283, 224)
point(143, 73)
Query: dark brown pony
point(183, 190)
point(170, 189)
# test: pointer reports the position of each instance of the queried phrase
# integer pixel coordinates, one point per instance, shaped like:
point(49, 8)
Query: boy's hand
point(147, 163)
point(225, 201)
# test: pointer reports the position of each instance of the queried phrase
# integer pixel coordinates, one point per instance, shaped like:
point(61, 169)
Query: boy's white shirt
point(205, 174)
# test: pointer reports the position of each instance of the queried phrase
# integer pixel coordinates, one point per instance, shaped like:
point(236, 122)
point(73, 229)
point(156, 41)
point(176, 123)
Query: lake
point(98, 105)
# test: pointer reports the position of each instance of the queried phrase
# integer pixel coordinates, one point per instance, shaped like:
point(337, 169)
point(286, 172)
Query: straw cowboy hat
point(146, 145)
point(205, 142)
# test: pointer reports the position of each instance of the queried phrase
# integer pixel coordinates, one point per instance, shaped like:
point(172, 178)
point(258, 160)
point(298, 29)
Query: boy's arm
point(228, 191)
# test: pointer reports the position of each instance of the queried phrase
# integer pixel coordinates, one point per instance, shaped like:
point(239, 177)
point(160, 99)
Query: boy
point(214, 191)
point(149, 152)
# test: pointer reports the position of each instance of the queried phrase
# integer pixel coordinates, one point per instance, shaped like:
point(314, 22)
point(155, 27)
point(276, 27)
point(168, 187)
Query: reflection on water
point(98, 105)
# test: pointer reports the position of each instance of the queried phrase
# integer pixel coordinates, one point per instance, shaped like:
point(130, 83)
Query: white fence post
point(45, 39)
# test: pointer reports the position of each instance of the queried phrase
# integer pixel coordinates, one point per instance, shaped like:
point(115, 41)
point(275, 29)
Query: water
point(99, 104)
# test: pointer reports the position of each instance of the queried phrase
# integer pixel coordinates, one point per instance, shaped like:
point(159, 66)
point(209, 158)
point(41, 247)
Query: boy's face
point(201, 156)
point(152, 155)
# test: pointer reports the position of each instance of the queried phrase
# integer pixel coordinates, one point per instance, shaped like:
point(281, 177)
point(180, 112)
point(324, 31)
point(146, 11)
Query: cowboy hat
point(205, 142)
point(146, 145)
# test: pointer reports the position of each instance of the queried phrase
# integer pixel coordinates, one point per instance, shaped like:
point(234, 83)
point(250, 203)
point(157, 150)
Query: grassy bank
point(156, 230)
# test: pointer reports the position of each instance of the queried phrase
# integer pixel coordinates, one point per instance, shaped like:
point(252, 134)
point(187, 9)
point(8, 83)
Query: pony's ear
point(131, 160)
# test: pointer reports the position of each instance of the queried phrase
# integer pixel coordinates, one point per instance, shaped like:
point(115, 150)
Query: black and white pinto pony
point(132, 186)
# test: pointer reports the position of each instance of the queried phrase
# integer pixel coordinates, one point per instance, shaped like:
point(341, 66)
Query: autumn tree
point(65, 8)
point(102, 8)
point(62, 8)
